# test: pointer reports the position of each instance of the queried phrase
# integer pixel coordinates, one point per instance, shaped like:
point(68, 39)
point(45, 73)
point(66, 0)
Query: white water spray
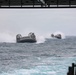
point(40, 39)
point(6, 37)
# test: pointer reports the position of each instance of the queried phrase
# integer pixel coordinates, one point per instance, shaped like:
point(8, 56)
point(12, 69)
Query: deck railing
point(37, 3)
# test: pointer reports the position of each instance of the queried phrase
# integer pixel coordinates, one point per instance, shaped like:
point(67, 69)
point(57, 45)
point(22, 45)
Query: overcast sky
point(40, 21)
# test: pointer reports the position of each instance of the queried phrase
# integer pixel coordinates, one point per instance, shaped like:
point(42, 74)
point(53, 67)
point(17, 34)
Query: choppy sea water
point(53, 57)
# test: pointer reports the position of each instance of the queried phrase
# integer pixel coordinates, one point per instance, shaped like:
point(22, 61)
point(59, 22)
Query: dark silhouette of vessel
point(72, 69)
point(58, 36)
point(31, 38)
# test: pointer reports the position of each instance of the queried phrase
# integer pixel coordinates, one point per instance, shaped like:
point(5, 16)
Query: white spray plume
point(40, 39)
point(6, 37)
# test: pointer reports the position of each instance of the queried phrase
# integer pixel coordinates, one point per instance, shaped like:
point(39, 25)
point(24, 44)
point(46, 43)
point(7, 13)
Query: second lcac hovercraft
point(58, 36)
point(31, 38)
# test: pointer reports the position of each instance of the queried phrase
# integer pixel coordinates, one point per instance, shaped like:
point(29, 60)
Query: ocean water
point(52, 57)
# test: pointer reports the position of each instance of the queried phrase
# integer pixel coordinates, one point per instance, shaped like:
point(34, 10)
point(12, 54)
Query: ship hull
point(26, 41)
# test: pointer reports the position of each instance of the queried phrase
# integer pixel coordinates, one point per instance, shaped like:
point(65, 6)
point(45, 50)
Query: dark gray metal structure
point(37, 3)
point(31, 38)
point(58, 36)
point(72, 70)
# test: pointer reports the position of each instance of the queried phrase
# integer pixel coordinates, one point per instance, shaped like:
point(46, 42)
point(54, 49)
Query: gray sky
point(41, 21)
